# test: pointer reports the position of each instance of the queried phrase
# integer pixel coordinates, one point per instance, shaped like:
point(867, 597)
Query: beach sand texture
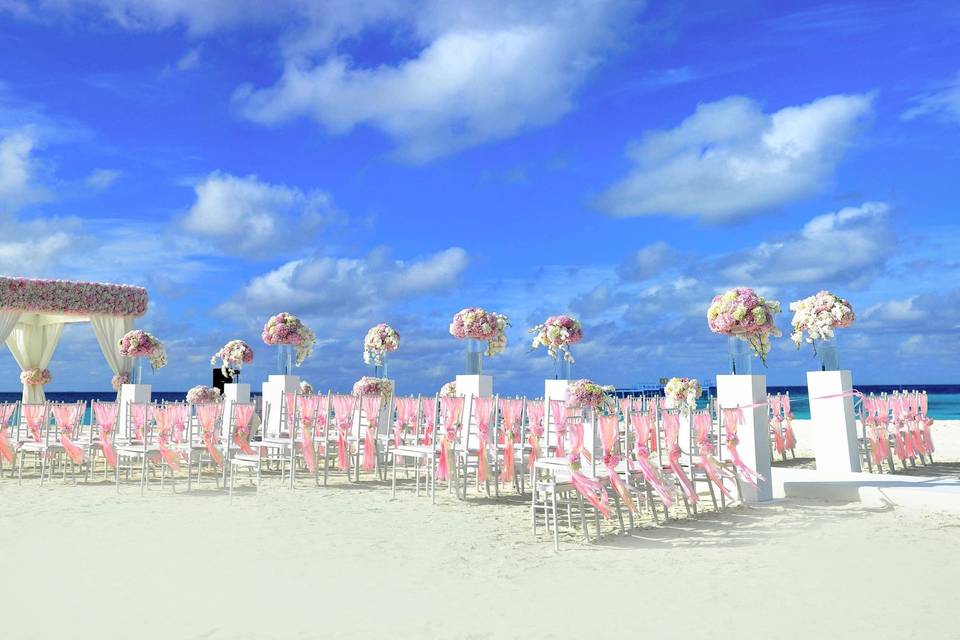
point(349, 562)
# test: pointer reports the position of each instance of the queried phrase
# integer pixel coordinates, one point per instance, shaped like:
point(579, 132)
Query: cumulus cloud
point(249, 215)
point(16, 171)
point(484, 77)
point(943, 104)
point(851, 246)
point(647, 262)
point(347, 289)
point(731, 160)
point(102, 178)
point(924, 313)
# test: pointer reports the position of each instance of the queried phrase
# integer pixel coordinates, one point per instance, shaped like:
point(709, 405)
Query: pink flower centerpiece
point(682, 394)
point(379, 341)
point(36, 376)
point(449, 390)
point(286, 330)
point(202, 394)
point(367, 386)
point(475, 325)
point(587, 394)
point(140, 344)
point(819, 316)
point(742, 314)
point(233, 355)
point(119, 380)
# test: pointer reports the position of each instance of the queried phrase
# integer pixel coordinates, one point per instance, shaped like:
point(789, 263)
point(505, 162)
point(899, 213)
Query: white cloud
point(851, 246)
point(15, 171)
point(485, 76)
point(347, 290)
point(102, 178)
point(647, 261)
point(189, 60)
point(730, 159)
point(251, 216)
point(943, 104)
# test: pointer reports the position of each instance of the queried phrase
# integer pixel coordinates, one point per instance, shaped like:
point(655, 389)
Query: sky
point(395, 161)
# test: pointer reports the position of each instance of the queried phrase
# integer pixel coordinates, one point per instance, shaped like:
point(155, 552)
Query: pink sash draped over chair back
point(927, 423)
point(535, 412)
point(138, 420)
point(242, 415)
point(483, 409)
point(702, 421)
point(450, 411)
point(106, 414)
point(429, 409)
point(309, 406)
point(590, 488)
point(178, 417)
point(6, 449)
point(733, 418)
point(67, 417)
point(163, 417)
point(557, 410)
point(371, 408)
point(343, 412)
point(209, 415)
point(671, 432)
point(34, 415)
point(786, 417)
point(775, 425)
point(642, 428)
point(512, 412)
point(609, 433)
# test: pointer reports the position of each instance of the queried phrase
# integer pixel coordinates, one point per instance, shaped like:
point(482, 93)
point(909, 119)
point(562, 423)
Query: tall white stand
point(554, 390)
point(273, 390)
point(137, 393)
point(233, 394)
point(833, 421)
point(754, 435)
point(478, 386)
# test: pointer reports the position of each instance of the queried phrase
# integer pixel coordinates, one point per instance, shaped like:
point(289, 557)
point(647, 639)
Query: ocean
point(944, 399)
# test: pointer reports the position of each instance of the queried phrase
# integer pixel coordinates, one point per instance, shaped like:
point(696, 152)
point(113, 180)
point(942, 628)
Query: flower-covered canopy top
point(72, 298)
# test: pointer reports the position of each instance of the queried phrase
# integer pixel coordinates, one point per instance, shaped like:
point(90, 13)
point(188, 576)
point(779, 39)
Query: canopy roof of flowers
point(33, 313)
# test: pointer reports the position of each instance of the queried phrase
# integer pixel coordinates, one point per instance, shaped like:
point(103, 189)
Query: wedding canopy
point(34, 312)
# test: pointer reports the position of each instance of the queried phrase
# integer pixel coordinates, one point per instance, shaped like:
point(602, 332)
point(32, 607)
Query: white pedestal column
point(273, 390)
point(479, 386)
point(553, 390)
point(833, 421)
point(754, 435)
point(137, 393)
point(232, 394)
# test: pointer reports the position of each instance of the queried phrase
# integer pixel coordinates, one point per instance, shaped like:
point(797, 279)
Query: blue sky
point(383, 161)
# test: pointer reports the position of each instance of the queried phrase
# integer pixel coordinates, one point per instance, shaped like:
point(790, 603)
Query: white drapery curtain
point(109, 330)
point(32, 346)
point(8, 320)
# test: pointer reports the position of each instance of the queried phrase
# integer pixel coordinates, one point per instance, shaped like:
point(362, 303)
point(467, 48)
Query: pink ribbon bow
point(557, 411)
point(450, 410)
point(208, 415)
point(6, 449)
point(242, 415)
point(609, 428)
point(343, 412)
point(67, 416)
point(163, 416)
point(371, 407)
point(732, 418)
point(671, 432)
point(483, 414)
point(511, 411)
point(710, 465)
point(591, 489)
point(308, 409)
point(643, 426)
point(106, 413)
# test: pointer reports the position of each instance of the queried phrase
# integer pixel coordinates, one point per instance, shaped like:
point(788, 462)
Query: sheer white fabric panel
point(32, 346)
point(109, 330)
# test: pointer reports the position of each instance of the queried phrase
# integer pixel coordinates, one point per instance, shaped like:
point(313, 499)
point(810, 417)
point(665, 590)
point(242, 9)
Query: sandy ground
point(349, 562)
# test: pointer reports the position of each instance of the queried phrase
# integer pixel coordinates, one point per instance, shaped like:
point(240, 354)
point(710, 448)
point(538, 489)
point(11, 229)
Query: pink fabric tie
point(642, 428)
point(511, 411)
point(671, 431)
point(429, 410)
point(308, 409)
point(208, 415)
point(775, 425)
point(67, 417)
point(732, 418)
point(371, 407)
point(242, 415)
point(535, 412)
point(163, 416)
point(590, 488)
point(557, 411)
point(483, 414)
point(450, 410)
point(106, 413)
point(6, 449)
point(34, 414)
point(343, 412)
point(609, 430)
point(710, 465)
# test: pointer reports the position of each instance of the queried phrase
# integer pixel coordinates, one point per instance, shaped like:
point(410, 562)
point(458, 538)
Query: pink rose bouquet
point(140, 344)
point(233, 355)
point(449, 390)
point(589, 395)
point(682, 393)
point(368, 386)
point(36, 376)
point(285, 328)
point(119, 380)
point(477, 324)
point(379, 341)
point(202, 394)
point(743, 314)
point(557, 334)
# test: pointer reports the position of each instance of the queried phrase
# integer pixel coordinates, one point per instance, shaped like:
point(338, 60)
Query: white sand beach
point(349, 562)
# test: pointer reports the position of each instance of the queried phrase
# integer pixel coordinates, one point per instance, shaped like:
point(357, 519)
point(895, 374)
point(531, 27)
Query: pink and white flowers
point(306, 389)
point(202, 394)
point(72, 298)
point(557, 334)
point(743, 314)
point(36, 376)
point(588, 394)
point(285, 328)
point(140, 344)
point(368, 386)
point(682, 394)
point(119, 380)
point(449, 390)
point(819, 316)
point(379, 341)
point(477, 324)
point(233, 355)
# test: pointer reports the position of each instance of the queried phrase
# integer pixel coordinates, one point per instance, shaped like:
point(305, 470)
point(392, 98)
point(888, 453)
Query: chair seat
point(245, 460)
point(412, 450)
point(34, 447)
point(136, 450)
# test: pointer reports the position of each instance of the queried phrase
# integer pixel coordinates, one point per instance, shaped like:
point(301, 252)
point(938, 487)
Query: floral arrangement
point(201, 394)
point(72, 298)
point(557, 334)
point(140, 344)
point(588, 394)
point(36, 376)
point(682, 393)
point(743, 314)
point(818, 316)
point(234, 354)
point(306, 389)
point(368, 386)
point(477, 324)
point(449, 390)
point(119, 380)
point(379, 341)
point(285, 328)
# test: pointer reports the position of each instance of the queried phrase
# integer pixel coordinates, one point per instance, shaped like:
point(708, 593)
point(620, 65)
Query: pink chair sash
point(34, 415)
point(786, 417)
point(429, 409)
point(308, 409)
point(535, 412)
point(483, 414)
point(450, 411)
point(732, 418)
point(67, 416)
point(343, 412)
point(775, 426)
point(138, 420)
point(512, 411)
point(242, 415)
point(371, 407)
point(557, 412)
point(609, 430)
point(710, 465)
point(208, 415)
point(591, 489)
point(163, 416)
point(642, 427)
point(671, 432)
point(106, 413)
point(6, 449)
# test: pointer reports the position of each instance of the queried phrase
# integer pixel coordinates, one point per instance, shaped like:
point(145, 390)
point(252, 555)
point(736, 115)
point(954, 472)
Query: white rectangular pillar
point(754, 434)
point(273, 390)
point(136, 393)
point(233, 394)
point(553, 390)
point(833, 421)
point(480, 386)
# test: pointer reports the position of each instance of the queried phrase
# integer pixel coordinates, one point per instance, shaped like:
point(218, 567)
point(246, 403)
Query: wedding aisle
point(348, 562)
